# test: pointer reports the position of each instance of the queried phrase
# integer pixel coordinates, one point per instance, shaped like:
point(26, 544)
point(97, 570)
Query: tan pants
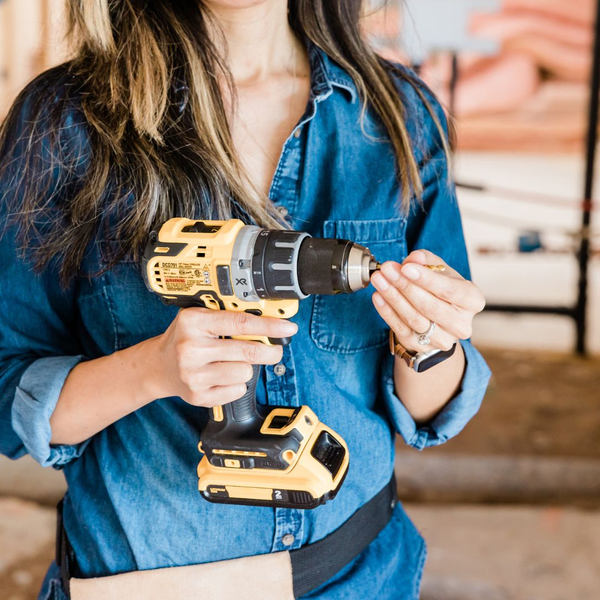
point(264, 577)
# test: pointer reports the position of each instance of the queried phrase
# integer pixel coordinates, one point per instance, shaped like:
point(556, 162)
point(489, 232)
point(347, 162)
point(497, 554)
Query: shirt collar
point(327, 74)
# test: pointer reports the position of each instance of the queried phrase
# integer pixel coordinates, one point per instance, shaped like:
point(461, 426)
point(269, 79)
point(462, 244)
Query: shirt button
point(288, 539)
point(298, 132)
point(283, 211)
point(279, 369)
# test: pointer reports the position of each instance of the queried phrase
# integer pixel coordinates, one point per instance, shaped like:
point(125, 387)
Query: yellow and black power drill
point(258, 455)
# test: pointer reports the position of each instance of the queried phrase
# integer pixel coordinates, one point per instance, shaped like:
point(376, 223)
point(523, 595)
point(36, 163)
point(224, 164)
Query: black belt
point(317, 563)
point(312, 565)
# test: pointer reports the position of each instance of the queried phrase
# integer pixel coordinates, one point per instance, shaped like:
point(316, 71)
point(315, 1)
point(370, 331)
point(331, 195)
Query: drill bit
point(376, 266)
point(437, 268)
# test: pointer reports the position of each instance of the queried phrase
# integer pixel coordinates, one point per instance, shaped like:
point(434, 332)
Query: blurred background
point(510, 508)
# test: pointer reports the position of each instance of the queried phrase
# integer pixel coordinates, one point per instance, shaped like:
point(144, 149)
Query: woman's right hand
point(192, 362)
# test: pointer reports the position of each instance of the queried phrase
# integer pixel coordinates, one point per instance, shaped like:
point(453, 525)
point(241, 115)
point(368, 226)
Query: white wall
point(522, 278)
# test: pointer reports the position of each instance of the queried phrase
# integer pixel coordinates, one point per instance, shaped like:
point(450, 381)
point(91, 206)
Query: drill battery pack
point(294, 462)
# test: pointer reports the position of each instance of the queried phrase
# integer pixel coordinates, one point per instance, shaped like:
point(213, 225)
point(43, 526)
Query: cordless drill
point(258, 455)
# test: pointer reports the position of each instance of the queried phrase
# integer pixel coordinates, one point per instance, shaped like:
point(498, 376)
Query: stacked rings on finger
point(424, 339)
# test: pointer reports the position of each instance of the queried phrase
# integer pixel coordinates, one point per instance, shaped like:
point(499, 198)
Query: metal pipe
point(592, 141)
point(565, 311)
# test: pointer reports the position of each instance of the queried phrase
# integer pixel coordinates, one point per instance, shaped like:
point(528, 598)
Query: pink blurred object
point(552, 120)
point(561, 47)
point(489, 86)
point(581, 11)
point(533, 96)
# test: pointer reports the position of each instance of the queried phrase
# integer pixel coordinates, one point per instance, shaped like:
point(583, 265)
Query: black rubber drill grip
point(245, 407)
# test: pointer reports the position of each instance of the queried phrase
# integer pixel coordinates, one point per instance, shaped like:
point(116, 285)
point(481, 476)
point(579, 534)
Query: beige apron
point(264, 577)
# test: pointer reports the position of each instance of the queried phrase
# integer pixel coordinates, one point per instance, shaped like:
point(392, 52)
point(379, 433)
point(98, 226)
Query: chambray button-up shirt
point(133, 502)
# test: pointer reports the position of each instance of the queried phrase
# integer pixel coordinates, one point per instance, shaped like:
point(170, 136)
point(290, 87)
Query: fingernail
point(378, 300)
point(289, 328)
point(380, 282)
point(411, 272)
point(391, 272)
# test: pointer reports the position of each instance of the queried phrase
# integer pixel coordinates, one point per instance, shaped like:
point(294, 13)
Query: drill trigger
point(280, 341)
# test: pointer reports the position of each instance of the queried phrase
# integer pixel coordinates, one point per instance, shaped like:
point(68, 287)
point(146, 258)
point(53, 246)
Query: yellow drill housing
point(283, 457)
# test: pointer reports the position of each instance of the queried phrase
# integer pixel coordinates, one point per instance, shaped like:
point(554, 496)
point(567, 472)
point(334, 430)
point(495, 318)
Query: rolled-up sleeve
point(35, 399)
point(435, 224)
point(39, 345)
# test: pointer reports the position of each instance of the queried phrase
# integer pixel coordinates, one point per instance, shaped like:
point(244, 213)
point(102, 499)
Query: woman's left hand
point(410, 297)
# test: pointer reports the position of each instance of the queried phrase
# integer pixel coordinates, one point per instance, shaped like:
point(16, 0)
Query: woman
point(278, 113)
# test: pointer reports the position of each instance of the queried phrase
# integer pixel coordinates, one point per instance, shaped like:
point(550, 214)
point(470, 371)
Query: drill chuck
point(330, 266)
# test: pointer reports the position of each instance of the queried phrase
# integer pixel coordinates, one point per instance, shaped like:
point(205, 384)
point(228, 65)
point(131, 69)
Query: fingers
point(218, 395)
point(217, 373)
point(419, 257)
point(429, 306)
point(190, 353)
point(205, 386)
point(412, 318)
point(254, 353)
point(402, 316)
point(423, 308)
point(440, 339)
point(225, 323)
point(206, 370)
point(411, 277)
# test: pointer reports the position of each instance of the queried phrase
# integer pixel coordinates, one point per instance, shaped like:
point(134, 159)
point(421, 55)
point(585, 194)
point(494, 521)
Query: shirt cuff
point(35, 400)
point(453, 417)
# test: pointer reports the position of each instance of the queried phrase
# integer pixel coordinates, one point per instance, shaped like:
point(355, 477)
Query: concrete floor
point(26, 547)
point(509, 553)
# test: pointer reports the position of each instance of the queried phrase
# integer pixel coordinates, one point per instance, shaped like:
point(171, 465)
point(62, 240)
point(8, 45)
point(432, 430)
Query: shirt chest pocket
point(349, 323)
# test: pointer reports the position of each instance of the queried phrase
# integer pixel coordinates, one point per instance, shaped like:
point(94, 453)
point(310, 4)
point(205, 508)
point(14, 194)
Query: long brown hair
point(144, 83)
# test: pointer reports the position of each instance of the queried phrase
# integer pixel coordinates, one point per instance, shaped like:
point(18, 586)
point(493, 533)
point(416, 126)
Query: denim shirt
point(133, 502)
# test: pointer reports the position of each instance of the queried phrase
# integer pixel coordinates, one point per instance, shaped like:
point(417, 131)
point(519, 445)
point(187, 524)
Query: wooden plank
point(31, 40)
point(3, 55)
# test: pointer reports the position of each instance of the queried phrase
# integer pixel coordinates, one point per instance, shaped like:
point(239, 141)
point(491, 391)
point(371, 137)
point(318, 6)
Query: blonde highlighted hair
point(144, 82)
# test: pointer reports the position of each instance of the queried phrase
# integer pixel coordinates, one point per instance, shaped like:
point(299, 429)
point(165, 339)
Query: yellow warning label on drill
point(183, 277)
